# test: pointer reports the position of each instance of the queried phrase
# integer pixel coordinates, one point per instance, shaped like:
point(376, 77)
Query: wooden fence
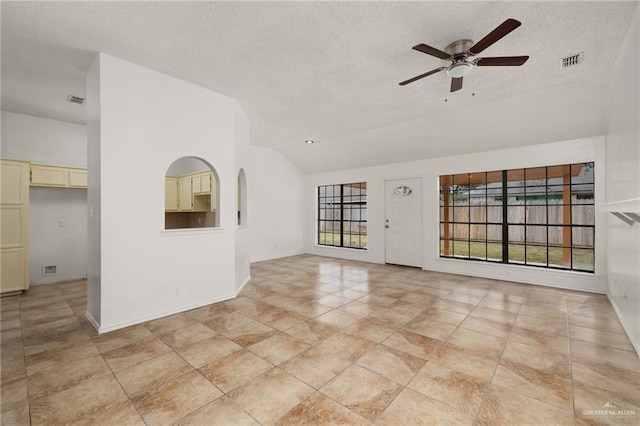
point(537, 217)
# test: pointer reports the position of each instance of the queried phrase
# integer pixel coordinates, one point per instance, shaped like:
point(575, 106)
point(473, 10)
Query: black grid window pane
point(342, 215)
point(539, 216)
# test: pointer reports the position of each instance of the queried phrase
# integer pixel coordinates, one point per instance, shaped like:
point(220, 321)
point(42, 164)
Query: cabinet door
point(14, 218)
point(205, 180)
point(77, 178)
point(213, 186)
point(49, 175)
point(171, 194)
point(195, 184)
point(186, 195)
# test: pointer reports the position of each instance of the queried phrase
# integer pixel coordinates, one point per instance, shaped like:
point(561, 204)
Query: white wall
point(40, 140)
point(275, 188)
point(583, 150)
point(623, 183)
point(146, 121)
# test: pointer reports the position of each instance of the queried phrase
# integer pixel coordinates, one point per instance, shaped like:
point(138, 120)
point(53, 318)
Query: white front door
point(403, 222)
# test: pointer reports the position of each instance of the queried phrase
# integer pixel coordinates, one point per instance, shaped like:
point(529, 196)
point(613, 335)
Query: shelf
point(627, 211)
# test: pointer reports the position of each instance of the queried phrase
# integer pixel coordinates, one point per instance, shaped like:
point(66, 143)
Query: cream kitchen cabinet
point(185, 193)
point(57, 176)
point(14, 238)
point(171, 194)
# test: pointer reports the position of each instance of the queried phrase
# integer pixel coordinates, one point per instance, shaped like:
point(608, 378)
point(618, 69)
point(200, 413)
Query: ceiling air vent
point(75, 99)
point(572, 60)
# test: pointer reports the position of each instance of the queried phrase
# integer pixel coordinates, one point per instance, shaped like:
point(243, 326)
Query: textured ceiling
point(329, 71)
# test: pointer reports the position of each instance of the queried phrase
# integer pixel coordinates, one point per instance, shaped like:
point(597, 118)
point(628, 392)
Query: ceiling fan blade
point(456, 84)
point(426, 74)
point(502, 30)
point(431, 51)
point(502, 61)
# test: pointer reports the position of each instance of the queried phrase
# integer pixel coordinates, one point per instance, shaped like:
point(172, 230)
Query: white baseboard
point(625, 326)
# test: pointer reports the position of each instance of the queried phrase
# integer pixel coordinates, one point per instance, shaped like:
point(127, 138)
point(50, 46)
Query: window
point(542, 216)
point(342, 215)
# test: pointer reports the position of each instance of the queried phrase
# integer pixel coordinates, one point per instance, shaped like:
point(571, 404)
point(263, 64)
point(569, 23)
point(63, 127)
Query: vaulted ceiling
point(329, 71)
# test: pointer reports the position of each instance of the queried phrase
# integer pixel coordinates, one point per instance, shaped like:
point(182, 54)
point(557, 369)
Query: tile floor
point(319, 341)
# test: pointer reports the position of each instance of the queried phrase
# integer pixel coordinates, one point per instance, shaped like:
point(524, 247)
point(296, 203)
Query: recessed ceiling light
point(308, 142)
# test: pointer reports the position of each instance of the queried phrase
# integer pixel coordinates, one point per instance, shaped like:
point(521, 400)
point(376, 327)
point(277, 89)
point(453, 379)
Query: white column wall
point(623, 183)
point(148, 120)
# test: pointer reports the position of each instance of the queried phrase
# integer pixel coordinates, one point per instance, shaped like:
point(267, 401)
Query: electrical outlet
point(61, 223)
point(176, 292)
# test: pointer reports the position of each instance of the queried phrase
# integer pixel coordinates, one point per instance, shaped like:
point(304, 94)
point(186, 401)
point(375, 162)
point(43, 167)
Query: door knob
point(386, 226)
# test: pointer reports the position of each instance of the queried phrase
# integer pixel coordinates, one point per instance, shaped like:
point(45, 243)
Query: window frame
point(515, 197)
point(333, 203)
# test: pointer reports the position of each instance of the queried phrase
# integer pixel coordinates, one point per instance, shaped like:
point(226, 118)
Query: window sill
point(190, 231)
point(341, 248)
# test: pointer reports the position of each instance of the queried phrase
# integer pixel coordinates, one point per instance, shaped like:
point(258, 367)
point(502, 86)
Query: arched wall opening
point(192, 194)
point(242, 198)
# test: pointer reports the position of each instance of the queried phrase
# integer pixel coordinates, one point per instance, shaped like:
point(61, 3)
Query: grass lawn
point(350, 240)
point(535, 255)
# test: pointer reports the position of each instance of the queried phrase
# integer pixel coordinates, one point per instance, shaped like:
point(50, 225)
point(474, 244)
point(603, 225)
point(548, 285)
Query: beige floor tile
point(208, 350)
point(364, 392)
point(535, 383)
point(119, 338)
point(18, 416)
point(14, 395)
point(458, 390)
point(169, 323)
point(235, 370)
point(337, 319)
point(465, 361)
point(315, 368)
point(346, 346)
point(278, 348)
point(391, 363)
point(612, 326)
point(487, 326)
point(313, 331)
point(91, 397)
point(319, 409)
point(431, 328)
point(175, 399)
point(551, 363)
point(56, 342)
point(504, 406)
point(223, 323)
point(552, 326)
point(414, 408)
point(282, 319)
point(593, 405)
point(358, 309)
point(599, 337)
point(271, 395)
point(412, 343)
point(221, 412)
point(65, 375)
point(497, 315)
point(184, 337)
point(115, 414)
point(536, 339)
point(442, 315)
point(150, 374)
point(126, 356)
point(479, 343)
point(249, 334)
point(454, 306)
point(371, 328)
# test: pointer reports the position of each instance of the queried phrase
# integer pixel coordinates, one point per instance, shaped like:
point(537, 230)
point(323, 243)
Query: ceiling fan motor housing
point(459, 48)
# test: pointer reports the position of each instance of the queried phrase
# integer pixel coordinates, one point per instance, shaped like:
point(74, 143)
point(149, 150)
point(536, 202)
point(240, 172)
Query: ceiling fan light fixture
point(309, 142)
point(459, 69)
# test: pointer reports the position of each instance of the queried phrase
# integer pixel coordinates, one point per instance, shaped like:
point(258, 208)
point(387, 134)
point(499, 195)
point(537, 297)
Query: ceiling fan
point(460, 55)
